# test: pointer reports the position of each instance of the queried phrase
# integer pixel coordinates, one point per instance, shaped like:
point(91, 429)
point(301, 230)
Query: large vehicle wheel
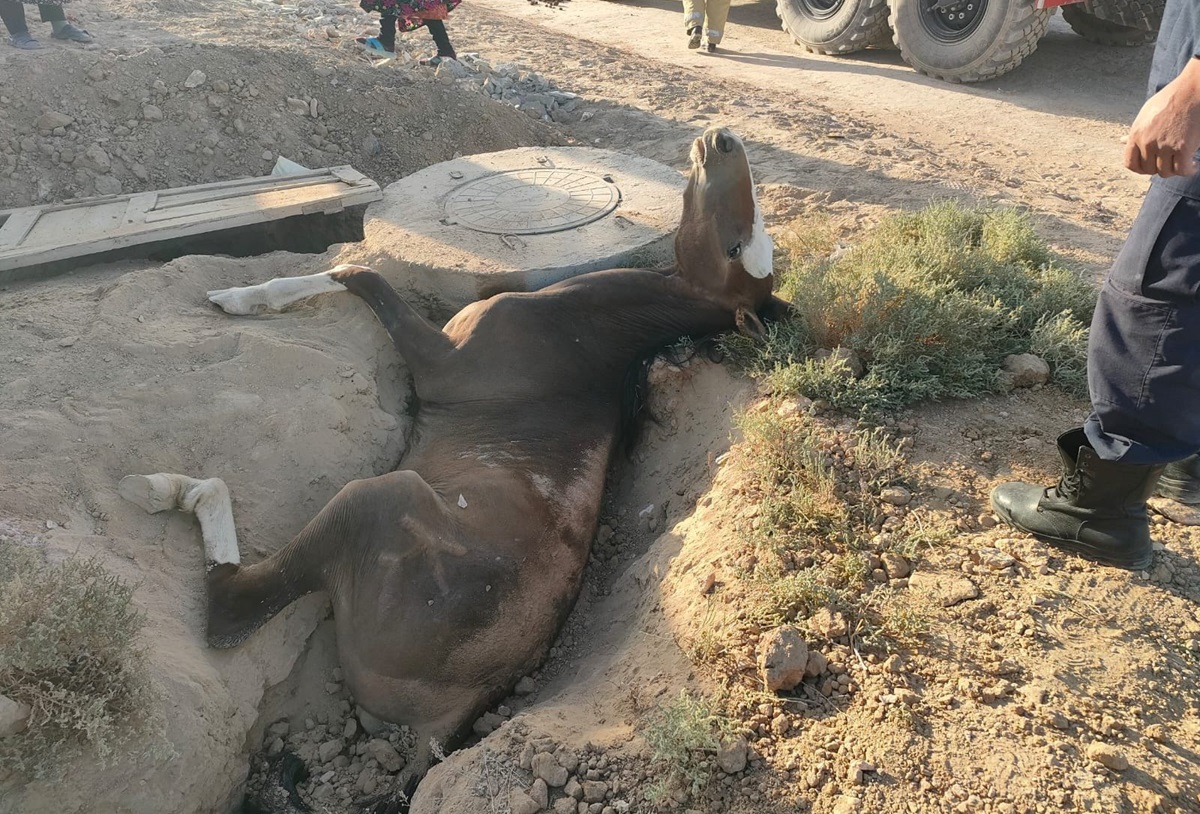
point(1094, 29)
point(967, 40)
point(835, 26)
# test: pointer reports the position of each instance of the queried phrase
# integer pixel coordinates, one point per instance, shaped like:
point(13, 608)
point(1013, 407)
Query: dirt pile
point(182, 114)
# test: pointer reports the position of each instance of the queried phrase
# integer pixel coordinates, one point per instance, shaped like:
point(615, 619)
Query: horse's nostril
point(725, 142)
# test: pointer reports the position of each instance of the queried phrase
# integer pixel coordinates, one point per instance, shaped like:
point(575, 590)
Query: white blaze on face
point(758, 255)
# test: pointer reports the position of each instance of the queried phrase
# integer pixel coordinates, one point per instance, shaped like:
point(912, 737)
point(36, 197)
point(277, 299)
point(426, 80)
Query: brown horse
point(451, 577)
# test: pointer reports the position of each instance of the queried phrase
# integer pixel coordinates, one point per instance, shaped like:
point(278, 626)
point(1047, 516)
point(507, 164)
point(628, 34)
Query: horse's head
point(722, 245)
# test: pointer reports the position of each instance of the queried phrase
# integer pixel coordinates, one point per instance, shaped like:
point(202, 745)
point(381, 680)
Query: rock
point(297, 106)
point(52, 119)
point(328, 750)
point(782, 658)
point(546, 767)
point(594, 791)
point(858, 770)
point(573, 789)
point(780, 724)
point(847, 805)
point(108, 185)
point(1108, 755)
point(152, 113)
point(279, 729)
point(817, 664)
point(195, 79)
point(896, 566)
point(948, 591)
point(98, 160)
point(385, 755)
point(896, 495)
point(565, 805)
point(1025, 370)
point(525, 686)
point(521, 803)
point(371, 145)
point(350, 729)
point(994, 559)
point(829, 624)
point(540, 792)
point(14, 716)
point(732, 756)
point(221, 86)
point(852, 366)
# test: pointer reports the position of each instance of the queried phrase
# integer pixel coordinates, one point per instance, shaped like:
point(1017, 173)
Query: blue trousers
point(1144, 346)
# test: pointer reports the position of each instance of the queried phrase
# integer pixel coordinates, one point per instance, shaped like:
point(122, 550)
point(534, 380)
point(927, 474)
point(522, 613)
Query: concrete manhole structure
point(519, 220)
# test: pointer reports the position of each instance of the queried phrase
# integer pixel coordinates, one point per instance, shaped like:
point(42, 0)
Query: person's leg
point(63, 30)
point(693, 21)
point(51, 14)
point(13, 14)
point(1144, 376)
point(387, 30)
point(437, 29)
point(715, 16)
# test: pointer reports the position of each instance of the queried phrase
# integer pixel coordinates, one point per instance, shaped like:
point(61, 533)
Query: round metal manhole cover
point(532, 202)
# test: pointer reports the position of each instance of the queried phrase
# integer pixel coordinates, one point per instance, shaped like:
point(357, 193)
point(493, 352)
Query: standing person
point(13, 14)
point(1144, 346)
point(705, 18)
point(409, 15)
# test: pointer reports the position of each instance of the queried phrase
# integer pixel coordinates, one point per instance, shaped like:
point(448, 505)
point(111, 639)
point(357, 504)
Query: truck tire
point(967, 40)
point(1145, 15)
point(1103, 32)
point(835, 26)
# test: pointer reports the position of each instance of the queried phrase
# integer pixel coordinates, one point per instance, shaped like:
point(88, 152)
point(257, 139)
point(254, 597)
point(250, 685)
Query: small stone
point(817, 664)
point(594, 791)
point(539, 791)
point(195, 79)
point(1107, 755)
point(67, 341)
point(1025, 370)
point(52, 119)
point(565, 805)
point(780, 724)
point(152, 113)
point(547, 768)
point(350, 729)
point(732, 756)
point(994, 559)
point(782, 658)
point(328, 750)
point(1156, 732)
point(896, 495)
point(14, 716)
point(221, 86)
point(948, 591)
point(276, 747)
point(858, 770)
point(573, 789)
point(526, 686)
point(521, 803)
point(829, 624)
point(385, 755)
point(896, 566)
point(847, 805)
point(297, 106)
point(851, 366)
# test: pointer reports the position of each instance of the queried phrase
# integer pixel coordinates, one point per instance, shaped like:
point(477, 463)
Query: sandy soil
point(123, 369)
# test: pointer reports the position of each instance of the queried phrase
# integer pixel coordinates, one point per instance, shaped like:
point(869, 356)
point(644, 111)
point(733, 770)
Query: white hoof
point(235, 301)
point(153, 493)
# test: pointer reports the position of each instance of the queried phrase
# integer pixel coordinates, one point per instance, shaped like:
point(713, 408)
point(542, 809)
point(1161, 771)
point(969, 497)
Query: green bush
point(931, 302)
point(683, 735)
point(69, 650)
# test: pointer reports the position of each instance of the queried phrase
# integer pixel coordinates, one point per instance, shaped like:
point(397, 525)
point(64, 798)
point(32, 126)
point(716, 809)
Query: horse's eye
point(735, 252)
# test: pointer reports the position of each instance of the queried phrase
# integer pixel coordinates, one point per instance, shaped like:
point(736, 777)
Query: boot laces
point(1068, 485)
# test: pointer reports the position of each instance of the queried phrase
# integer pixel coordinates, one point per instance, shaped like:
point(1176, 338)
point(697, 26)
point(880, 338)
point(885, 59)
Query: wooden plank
point(18, 225)
point(34, 236)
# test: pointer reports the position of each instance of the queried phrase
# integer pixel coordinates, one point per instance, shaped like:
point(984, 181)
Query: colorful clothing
point(411, 14)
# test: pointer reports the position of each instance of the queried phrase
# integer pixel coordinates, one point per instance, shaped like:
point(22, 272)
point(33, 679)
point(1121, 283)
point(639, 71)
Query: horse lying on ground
point(451, 576)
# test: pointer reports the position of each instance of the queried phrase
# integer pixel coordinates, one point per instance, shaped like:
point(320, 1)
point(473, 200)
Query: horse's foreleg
point(240, 599)
point(274, 295)
point(425, 347)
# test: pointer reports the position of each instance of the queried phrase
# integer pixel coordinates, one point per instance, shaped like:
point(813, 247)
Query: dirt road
point(1047, 135)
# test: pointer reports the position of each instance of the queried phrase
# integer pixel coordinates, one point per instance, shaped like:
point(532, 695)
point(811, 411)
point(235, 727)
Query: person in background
point(705, 21)
point(1144, 346)
point(409, 15)
point(13, 14)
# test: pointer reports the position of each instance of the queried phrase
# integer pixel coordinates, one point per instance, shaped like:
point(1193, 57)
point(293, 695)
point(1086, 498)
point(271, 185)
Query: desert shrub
point(683, 734)
point(69, 650)
point(931, 302)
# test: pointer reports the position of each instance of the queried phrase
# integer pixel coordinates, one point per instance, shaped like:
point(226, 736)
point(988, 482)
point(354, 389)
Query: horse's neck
point(633, 312)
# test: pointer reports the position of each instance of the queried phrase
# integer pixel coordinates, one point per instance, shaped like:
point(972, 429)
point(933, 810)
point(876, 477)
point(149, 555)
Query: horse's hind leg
point(240, 599)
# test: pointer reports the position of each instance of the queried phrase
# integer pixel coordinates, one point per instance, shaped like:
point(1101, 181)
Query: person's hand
point(1166, 134)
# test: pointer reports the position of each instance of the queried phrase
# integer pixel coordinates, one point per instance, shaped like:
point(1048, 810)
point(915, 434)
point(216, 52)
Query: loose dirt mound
point(177, 114)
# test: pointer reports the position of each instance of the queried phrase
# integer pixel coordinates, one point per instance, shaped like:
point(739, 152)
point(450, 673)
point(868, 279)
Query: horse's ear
point(749, 324)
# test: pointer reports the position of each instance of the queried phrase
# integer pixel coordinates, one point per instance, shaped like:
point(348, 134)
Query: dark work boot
point(1097, 510)
point(1180, 481)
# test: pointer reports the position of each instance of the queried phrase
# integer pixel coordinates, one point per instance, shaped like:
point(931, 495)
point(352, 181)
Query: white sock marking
point(274, 295)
